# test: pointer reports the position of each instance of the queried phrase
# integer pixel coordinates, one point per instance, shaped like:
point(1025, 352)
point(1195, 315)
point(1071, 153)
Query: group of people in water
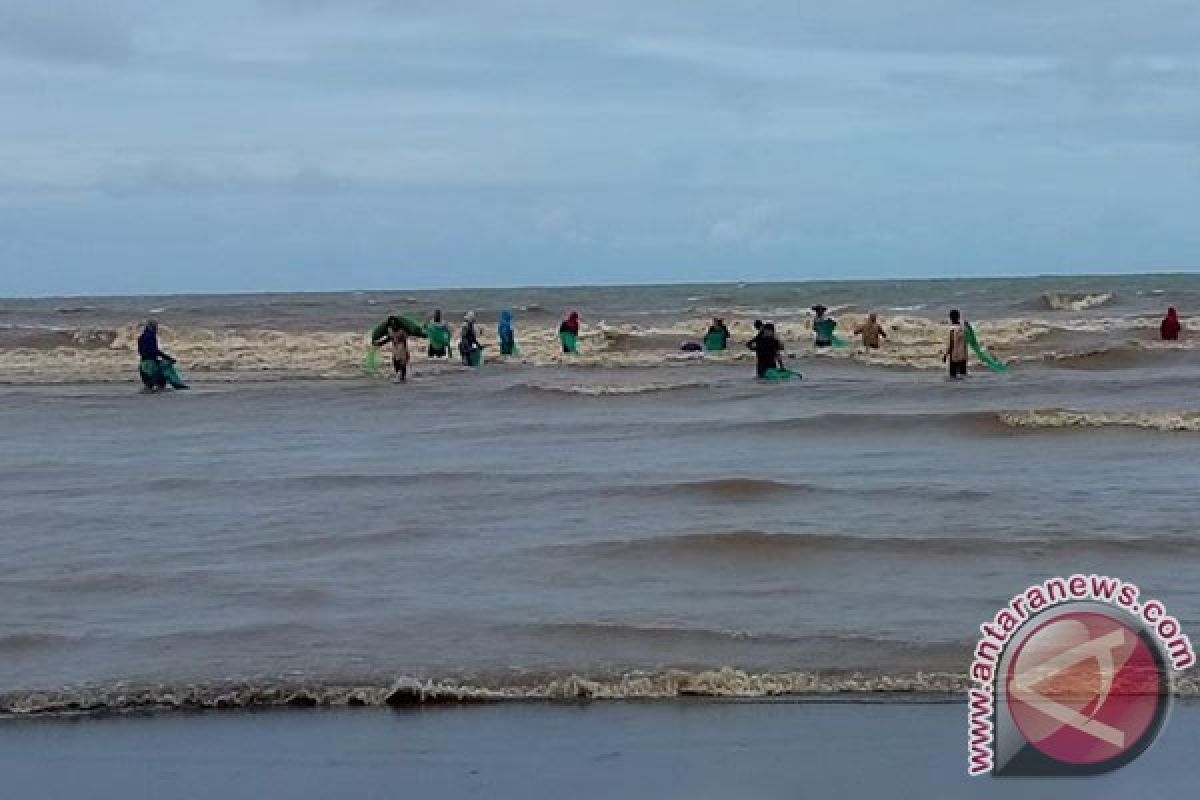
point(396, 330)
point(960, 340)
point(769, 349)
point(158, 369)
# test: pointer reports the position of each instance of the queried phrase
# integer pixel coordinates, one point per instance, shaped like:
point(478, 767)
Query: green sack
point(823, 328)
point(838, 341)
point(570, 341)
point(476, 357)
point(983, 355)
point(714, 342)
point(149, 367)
point(776, 374)
point(439, 336)
point(370, 364)
point(171, 373)
point(410, 326)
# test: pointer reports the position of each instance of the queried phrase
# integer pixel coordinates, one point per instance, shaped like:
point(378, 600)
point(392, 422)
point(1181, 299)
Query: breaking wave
point(977, 422)
point(1058, 419)
point(666, 684)
point(1075, 301)
point(716, 683)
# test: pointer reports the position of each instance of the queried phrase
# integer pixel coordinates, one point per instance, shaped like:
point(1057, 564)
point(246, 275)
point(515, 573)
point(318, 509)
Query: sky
point(150, 147)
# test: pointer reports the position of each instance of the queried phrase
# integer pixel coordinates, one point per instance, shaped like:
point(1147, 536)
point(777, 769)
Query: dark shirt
point(766, 350)
point(148, 345)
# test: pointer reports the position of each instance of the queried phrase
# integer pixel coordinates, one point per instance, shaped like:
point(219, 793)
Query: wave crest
point(1075, 301)
point(1059, 418)
point(718, 682)
point(407, 691)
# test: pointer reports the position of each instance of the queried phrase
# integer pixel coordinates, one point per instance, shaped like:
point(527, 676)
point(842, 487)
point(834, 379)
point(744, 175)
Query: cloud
point(68, 31)
point(625, 138)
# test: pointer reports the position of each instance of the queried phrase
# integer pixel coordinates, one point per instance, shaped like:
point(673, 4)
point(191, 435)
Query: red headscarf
point(573, 322)
point(1170, 325)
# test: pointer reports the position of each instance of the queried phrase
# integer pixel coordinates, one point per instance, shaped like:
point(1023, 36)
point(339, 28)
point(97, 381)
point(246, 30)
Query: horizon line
point(1170, 272)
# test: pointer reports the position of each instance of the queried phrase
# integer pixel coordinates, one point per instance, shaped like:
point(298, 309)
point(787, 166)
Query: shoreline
point(302, 704)
point(921, 688)
point(628, 750)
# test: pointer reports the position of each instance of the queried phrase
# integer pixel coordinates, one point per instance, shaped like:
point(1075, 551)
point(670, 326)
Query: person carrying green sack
point(156, 368)
point(439, 336)
point(955, 353)
point(962, 337)
point(768, 354)
point(717, 337)
point(568, 333)
point(823, 327)
point(381, 334)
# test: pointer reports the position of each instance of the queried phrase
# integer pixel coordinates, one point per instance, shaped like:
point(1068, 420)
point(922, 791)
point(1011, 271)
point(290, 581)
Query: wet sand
point(628, 750)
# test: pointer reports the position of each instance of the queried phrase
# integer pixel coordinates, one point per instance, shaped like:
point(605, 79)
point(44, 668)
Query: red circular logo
point(1086, 688)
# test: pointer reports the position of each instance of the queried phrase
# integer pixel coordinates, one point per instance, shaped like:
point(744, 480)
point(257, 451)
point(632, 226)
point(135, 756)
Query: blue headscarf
point(504, 328)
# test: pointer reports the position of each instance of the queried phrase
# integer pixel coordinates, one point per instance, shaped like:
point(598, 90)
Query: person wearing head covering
point(150, 365)
point(439, 336)
point(568, 333)
point(155, 367)
point(468, 340)
point(1171, 326)
point(506, 333)
point(717, 337)
point(871, 331)
point(823, 327)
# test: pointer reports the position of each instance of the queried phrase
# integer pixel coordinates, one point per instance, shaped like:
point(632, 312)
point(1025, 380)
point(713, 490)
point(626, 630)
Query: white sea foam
point(1065, 418)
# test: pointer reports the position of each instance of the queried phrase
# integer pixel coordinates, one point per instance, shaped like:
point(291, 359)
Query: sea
point(636, 520)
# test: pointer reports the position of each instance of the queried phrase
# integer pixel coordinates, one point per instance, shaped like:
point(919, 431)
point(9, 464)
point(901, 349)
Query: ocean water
point(631, 522)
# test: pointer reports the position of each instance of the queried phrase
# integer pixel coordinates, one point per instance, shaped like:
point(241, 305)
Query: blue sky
point(325, 144)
